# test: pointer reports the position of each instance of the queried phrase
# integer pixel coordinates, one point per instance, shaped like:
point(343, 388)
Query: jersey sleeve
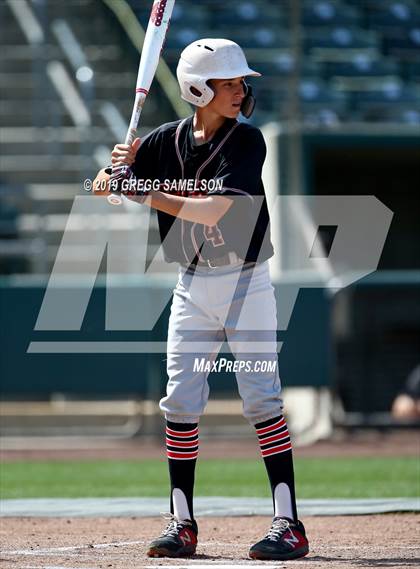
point(241, 168)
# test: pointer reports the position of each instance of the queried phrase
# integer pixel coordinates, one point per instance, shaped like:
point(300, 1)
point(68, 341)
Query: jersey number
point(213, 234)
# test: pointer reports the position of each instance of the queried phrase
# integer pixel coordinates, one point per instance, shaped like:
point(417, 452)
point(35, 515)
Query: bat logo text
point(157, 12)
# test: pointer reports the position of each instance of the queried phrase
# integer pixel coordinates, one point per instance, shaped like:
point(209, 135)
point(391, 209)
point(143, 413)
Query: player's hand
point(100, 186)
point(124, 153)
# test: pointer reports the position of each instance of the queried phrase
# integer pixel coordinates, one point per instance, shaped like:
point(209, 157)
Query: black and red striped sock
point(276, 450)
point(182, 452)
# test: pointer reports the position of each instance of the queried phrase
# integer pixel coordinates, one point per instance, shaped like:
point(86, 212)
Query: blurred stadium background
point(340, 102)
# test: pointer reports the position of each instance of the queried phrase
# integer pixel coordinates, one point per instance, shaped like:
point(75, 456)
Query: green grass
point(315, 478)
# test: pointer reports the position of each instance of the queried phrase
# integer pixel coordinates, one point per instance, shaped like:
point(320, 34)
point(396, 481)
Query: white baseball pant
point(209, 306)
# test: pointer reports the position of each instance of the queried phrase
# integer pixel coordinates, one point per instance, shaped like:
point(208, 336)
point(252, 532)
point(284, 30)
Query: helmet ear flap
point(195, 89)
point(248, 102)
point(196, 92)
point(210, 86)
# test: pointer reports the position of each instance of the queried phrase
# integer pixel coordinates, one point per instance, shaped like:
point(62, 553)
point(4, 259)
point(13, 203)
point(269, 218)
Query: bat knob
point(113, 199)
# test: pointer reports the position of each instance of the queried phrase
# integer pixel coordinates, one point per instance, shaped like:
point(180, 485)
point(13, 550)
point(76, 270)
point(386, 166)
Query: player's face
point(229, 94)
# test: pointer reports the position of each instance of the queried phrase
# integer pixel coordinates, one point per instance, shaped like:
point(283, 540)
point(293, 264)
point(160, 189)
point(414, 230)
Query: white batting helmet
point(209, 59)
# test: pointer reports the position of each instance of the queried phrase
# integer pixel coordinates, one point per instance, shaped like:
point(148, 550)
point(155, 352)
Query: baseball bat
point(154, 38)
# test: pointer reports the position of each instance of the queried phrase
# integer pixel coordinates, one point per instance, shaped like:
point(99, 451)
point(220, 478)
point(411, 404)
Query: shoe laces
point(174, 525)
point(278, 528)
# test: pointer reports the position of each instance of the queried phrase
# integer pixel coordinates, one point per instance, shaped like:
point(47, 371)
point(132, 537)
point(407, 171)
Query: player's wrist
point(123, 181)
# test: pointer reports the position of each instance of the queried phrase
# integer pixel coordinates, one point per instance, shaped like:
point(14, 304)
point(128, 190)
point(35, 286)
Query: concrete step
point(52, 198)
point(90, 9)
point(104, 66)
point(48, 148)
point(41, 162)
point(52, 113)
point(120, 223)
point(11, 33)
point(48, 51)
point(52, 192)
point(36, 84)
point(109, 78)
point(32, 113)
point(28, 141)
point(50, 134)
point(28, 59)
point(47, 168)
point(24, 86)
point(49, 228)
point(79, 260)
point(17, 65)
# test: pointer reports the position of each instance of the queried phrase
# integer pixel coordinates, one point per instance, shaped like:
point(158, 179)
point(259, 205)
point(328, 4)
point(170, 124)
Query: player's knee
point(181, 407)
point(258, 410)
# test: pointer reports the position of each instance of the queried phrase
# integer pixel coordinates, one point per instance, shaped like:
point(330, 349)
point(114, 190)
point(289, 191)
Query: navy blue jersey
point(229, 165)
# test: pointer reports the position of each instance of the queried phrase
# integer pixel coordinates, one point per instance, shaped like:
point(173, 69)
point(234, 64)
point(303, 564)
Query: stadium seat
point(387, 85)
point(282, 63)
point(184, 14)
point(344, 37)
point(181, 37)
point(402, 114)
point(312, 90)
point(409, 115)
point(404, 44)
point(361, 65)
point(394, 15)
point(395, 99)
point(380, 5)
point(316, 100)
point(329, 13)
point(8, 219)
point(329, 115)
point(258, 37)
point(269, 92)
point(246, 12)
point(363, 75)
point(411, 70)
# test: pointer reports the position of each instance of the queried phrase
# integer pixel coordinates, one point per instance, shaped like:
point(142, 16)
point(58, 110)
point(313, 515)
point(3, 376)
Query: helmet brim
point(245, 72)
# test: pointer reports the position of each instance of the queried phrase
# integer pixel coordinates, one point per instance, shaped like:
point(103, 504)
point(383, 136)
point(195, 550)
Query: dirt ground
point(390, 540)
point(120, 543)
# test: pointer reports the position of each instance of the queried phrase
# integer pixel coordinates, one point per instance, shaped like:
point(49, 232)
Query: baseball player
point(214, 222)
